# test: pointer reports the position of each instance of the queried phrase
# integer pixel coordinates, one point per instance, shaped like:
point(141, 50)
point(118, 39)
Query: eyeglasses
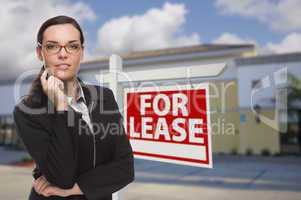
point(53, 48)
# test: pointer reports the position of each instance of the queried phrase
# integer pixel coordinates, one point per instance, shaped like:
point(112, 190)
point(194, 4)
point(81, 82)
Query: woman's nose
point(63, 53)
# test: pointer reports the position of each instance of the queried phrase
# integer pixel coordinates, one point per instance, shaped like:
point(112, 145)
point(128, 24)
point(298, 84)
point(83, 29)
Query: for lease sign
point(170, 123)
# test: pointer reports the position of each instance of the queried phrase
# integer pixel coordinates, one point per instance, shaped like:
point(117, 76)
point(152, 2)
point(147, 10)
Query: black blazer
point(66, 152)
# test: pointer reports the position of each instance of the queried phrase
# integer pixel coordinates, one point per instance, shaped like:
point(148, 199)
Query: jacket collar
point(92, 94)
point(79, 91)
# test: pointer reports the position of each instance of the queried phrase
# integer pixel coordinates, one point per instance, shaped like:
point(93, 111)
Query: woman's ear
point(39, 53)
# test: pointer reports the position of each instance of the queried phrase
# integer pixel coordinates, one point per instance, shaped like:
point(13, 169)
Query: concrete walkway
point(14, 183)
point(233, 178)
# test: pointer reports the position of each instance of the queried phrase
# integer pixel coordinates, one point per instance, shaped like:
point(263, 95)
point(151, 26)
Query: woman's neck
point(70, 87)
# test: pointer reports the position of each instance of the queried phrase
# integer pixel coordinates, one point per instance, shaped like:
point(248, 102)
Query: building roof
point(269, 59)
point(174, 51)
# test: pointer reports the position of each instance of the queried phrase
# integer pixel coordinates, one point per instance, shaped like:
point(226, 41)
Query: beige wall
point(229, 134)
point(258, 136)
point(225, 136)
point(224, 116)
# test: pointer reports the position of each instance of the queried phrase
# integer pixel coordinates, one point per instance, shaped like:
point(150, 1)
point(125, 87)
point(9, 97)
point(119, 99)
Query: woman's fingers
point(43, 80)
point(43, 185)
point(40, 184)
point(44, 188)
point(36, 184)
point(61, 84)
point(48, 191)
point(54, 89)
point(41, 188)
point(51, 190)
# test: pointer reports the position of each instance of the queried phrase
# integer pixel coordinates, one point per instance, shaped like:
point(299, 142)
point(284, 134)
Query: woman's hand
point(43, 187)
point(40, 184)
point(54, 89)
point(56, 191)
point(76, 190)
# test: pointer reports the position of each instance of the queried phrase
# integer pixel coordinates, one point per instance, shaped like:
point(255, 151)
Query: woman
point(72, 130)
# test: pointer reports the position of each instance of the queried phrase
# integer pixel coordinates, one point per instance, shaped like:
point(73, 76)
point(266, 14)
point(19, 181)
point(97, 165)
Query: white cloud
point(283, 15)
point(291, 43)
point(230, 38)
point(20, 21)
point(156, 28)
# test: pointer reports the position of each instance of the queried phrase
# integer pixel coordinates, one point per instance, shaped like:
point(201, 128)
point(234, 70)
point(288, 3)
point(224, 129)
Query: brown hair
point(36, 96)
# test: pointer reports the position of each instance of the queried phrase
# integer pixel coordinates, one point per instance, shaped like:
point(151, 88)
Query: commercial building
point(239, 124)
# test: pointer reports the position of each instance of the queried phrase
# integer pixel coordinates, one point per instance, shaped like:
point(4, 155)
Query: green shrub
point(249, 152)
point(234, 151)
point(265, 152)
point(26, 158)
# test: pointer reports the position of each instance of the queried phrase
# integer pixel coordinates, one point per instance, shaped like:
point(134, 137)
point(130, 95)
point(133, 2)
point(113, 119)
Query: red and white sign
point(170, 124)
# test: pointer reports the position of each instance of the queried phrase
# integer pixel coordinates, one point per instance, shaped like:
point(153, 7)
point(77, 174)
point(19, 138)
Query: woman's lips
point(63, 66)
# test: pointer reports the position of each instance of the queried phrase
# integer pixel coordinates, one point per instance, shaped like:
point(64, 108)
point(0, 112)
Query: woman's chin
point(64, 76)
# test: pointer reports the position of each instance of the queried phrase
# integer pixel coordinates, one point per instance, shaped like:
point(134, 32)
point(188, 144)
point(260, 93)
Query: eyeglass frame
point(61, 46)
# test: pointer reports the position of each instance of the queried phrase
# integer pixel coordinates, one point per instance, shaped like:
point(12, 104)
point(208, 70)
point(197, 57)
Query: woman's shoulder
point(31, 102)
point(99, 88)
point(105, 96)
point(99, 91)
point(29, 110)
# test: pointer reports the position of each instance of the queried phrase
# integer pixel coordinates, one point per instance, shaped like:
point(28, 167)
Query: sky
point(273, 26)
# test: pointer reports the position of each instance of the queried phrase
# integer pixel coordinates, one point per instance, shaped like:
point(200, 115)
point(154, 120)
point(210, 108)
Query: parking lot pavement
point(233, 177)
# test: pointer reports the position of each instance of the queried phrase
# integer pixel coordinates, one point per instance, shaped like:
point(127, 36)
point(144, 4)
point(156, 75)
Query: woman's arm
point(55, 152)
point(104, 180)
point(75, 190)
point(43, 187)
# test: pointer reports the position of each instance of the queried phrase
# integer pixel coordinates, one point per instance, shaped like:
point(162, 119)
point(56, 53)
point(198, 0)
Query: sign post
point(166, 123)
point(114, 69)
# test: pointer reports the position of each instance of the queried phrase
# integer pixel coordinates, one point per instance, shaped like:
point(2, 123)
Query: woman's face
point(63, 64)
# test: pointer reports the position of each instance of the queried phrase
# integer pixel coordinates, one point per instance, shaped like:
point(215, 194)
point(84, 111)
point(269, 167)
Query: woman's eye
point(50, 46)
point(74, 46)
